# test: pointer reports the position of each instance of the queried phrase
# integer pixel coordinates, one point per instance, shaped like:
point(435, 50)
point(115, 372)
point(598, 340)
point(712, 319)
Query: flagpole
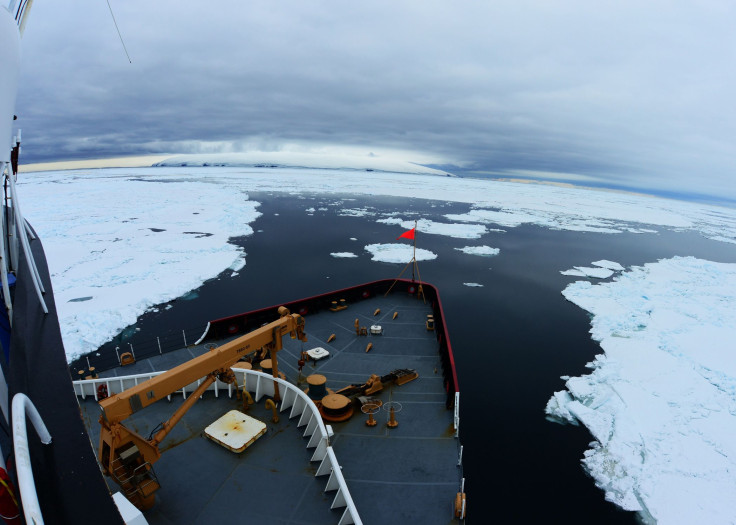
point(413, 262)
point(414, 257)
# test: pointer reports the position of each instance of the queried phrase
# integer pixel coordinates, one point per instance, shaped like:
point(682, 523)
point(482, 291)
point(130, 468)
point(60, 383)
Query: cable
point(118, 29)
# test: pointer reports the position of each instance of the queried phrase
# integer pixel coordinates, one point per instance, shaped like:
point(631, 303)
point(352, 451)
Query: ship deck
point(408, 473)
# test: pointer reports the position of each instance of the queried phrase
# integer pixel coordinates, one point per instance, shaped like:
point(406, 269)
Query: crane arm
point(127, 456)
point(120, 406)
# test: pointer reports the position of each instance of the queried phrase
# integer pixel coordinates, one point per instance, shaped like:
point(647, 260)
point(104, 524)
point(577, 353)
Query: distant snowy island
point(291, 159)
point(660, 401)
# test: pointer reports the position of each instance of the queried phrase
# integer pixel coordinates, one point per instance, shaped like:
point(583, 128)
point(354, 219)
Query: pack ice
point(661, 399)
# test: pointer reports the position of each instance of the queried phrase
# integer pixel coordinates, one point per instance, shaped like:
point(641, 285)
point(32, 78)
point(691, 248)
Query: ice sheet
point(661, 399)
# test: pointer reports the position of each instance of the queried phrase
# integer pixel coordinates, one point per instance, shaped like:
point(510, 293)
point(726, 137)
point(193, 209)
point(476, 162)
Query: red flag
point(407, 235)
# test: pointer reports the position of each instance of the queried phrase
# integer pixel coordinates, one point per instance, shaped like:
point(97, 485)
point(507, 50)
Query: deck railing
point(22, 407)
point(293, 399)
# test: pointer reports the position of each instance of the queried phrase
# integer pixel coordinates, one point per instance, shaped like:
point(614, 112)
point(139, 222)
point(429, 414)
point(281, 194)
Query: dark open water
point(512, 339)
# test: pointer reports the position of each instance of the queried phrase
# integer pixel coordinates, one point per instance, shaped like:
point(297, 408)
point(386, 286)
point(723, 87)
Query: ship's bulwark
point(71, 489)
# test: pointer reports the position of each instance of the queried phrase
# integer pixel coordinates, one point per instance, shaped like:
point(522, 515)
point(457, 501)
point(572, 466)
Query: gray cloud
point(632, 94)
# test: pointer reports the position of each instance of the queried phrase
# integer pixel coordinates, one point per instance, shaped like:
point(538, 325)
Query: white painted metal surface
point(130, 514)
point(22, 407)
point(456, 417)
point(318, 353)
point(235, 431)
point(9, 70)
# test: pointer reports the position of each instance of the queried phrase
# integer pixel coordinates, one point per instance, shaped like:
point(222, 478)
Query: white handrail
point(5, 263)
point(456, 417)
point(20, 231)
point(202, 336)
point(23, 406)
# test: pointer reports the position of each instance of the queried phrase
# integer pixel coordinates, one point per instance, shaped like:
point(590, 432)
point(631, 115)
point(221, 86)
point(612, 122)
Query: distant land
point(257, 159)
point(289, 159)
point(114, 162)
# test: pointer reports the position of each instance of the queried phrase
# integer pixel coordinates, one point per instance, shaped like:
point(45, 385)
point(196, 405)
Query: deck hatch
point(235, 431)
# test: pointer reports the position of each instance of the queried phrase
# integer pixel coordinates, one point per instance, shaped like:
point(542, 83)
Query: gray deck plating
point(409, 473)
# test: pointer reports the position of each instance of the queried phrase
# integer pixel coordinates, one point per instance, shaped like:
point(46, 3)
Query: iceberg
point(661, 399)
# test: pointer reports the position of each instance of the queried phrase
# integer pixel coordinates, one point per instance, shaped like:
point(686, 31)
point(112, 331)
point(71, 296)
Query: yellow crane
point(128, 457)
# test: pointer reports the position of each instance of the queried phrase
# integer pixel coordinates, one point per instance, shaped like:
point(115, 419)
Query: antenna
point(118, 29)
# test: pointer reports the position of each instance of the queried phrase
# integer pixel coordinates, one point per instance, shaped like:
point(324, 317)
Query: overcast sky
point(635, 94)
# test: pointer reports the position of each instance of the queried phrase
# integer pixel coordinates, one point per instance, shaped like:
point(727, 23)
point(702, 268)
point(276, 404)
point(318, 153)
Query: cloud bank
point(628, 94)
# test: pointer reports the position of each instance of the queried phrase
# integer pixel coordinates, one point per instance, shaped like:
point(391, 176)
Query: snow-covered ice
point(355, 212)
point(398, 253)
point(586, 271)
point(611, 265)
point(603, 270)
point(129, 244)
point(459, 231)
point(661, 400)
point(343, 255)
point(95, 225)
point(300, 159)
point(484, 251)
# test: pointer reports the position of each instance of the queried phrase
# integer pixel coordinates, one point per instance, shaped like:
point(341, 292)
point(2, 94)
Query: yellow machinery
point(125, 455)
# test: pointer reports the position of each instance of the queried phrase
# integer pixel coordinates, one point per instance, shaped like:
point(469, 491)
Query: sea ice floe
point(94, 225)
point(398, 253)
point(608, 264)
point(98, 243)
point(485, 251)
point(661, 399)
point(474, 285)
point(584, 271)
point(603, 270)
point(343, 255)
point(355, 212)
point(459, 231)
